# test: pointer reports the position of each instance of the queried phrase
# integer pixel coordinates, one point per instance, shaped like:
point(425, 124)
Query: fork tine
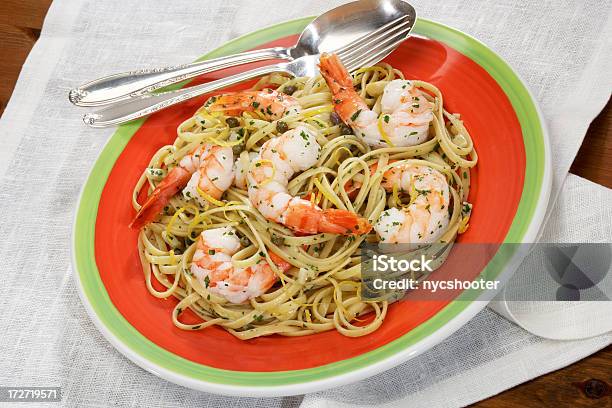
point(383, 46)
point(373, 58)
point(400, 36)
point(367, 36)
point(366, 46)
point(369, 60)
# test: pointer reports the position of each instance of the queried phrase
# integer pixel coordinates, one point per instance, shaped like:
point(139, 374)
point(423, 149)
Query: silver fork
point(365, 51)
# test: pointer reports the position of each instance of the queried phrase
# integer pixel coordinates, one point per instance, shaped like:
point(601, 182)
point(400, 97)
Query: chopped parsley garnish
point(423, 192)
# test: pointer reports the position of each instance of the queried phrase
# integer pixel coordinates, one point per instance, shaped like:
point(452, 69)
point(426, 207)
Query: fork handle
point(123, 86)
point(149, 103)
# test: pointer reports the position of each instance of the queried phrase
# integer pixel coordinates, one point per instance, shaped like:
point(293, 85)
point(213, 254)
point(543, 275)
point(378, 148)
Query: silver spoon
point(327, 33)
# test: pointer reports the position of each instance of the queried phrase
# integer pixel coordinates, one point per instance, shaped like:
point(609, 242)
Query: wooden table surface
point(587, 383)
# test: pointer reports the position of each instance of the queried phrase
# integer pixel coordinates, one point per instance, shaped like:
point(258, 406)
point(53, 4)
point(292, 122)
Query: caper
point(345, 130)
point(335, 118)
point(237, 149)
point(232, 122)
point(281, 126)
point(276, 240)
point(289, 89)
point(244, 241)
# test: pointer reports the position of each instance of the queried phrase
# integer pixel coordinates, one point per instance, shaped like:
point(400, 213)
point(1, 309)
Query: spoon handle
point(147, 104)
point(123, 86)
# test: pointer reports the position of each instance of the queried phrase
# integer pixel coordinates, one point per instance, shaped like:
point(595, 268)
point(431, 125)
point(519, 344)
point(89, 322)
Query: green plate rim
point(98, 303)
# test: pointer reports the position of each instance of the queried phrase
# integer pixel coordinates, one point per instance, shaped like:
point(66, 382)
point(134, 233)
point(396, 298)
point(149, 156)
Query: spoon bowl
point(344, 24)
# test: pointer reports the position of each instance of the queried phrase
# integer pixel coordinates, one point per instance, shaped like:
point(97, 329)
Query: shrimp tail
point(305, 218)
point(233, 103)
point(347, 103)
point(352, 188)
point(280, 262)
point(334, 73)
point(269, 103)
point(342, 222)
point(177, 179)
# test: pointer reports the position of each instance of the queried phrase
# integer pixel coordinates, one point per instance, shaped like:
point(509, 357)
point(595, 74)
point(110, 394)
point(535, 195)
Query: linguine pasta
point(322, 290)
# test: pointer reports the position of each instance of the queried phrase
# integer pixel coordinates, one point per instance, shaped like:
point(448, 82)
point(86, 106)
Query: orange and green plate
point(511, 184)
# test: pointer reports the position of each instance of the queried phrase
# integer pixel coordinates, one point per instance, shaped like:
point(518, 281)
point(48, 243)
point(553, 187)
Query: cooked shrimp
point(207, 169)
point(426, 218)
point(212, 266)
point(268, 177)
point(271, 104)
point(402, 119)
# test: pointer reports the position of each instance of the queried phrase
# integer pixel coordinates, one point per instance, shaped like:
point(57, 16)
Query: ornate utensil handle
point(123, 86)
point(147, 104)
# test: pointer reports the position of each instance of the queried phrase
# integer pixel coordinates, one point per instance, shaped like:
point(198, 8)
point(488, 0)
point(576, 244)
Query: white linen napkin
point(46, 153)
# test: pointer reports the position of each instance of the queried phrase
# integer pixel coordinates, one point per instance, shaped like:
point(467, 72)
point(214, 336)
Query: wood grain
point(14, 48)
point(587, 383)
point(20, 25)
point(24, 13)
point(584, 384)
point(594, 159)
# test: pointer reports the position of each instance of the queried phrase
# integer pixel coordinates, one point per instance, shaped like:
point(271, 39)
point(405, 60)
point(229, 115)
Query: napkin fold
point(583, 214)
point(46, 153)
